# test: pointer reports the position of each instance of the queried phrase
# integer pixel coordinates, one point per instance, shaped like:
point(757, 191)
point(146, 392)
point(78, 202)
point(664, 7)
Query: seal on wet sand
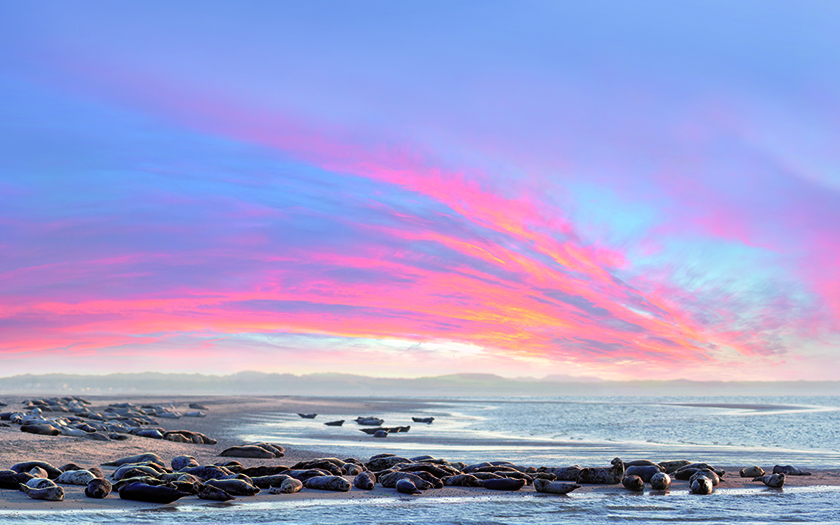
point(789, 470)
point(503, 484)
point(774, 481)
point(98, 488)
point(209, 492)
point(554, 487)
point(139, 458)
point(643, 471)
point(307, 416)
point(237, 487)
point(752, 472)
point(247, 451)
point(463, 480)
point(660, 481)
point(334, 483)
point(563, 473)
point(149, 493)
point(365, 481)
point(633, 482)
point(405, 486)
point(701, 485)
point(49, 493)
point(337, 423)
point(289, 485)
point(603, 476)
point(75, 477)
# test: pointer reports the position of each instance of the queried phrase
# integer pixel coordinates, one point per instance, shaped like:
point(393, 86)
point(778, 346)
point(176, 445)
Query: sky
point(621, 189)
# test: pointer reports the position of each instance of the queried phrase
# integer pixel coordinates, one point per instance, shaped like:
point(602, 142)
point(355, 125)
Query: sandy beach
point(223, 416)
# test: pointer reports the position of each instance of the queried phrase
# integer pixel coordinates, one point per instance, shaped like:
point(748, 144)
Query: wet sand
point(221, 424)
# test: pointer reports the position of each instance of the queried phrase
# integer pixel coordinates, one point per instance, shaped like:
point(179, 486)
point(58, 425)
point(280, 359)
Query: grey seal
point(247, 451)
point(554, 487)
point(237, 487)
point(26, 466)
point(365, 481)
point(633, 482)
point(48, 493)
point(98, 488)
point(503, 484)
point(337, 423)
point(775, 481)
point(563, 473)
point(643, 471)
point(701, 485)
point(405, 486)
point(334, 483)
point(139, 458)
point(209, 492)
point(9, 479)
point(660, 481)
point(789, 470)
point(461, 480)
point(427, 420)
point(182, 462)
point(603, 476)
point(752, 472)
point(307, 416)
point(707, 473)
point(149, 493)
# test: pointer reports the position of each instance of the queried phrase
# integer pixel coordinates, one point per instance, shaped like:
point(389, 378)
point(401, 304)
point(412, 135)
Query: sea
point(591, 431)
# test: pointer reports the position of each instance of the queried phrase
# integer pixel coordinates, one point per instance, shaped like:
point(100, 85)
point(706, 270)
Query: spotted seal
point(139, 458)
point(26, 466)
point(707, 473)
point(563, 473)
point(51, 492)
point(701, 485)
point(660, 481)
point(98, 488)
point(775, 481)
point(790, 470)
point(75, 477)
point(289, 485)
point(182, 462)
point(461, 480)
point(603, 476)
point(209, 492)
point(554, 487)
point(633, 482)
point(334, 483)
point(237, 487)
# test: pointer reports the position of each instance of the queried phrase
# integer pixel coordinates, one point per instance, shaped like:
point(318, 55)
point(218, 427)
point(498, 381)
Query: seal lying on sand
point(26, 466)
point(98, 488)
point(307, 416)
point(643, 471)
point(503, 484)
point(337, 423)
point(775, 481)
point(150, 493)
point(237, 487)
point(603, 476)
point(50, 493)
point(751, 472)
point(76, 477)
point(660, 481)
point(9, 479)
point(139, 458)
point(334, 483)
point(701, 485)
point(247, 451)
point(563, 473)
point(365, 481)
point(289, 485)
point(790, 470)
point(462, 480)
point(209, 492)
point(554, 487)
point(405, 486)
point(633, 482)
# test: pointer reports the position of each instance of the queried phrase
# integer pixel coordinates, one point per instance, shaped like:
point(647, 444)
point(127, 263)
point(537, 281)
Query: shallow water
point(564, 431)
point(795, 505)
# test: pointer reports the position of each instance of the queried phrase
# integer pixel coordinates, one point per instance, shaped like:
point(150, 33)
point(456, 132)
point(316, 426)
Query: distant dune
point(355, 385)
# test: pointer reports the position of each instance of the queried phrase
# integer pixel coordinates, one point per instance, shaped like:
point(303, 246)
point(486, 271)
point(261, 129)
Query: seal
point(237, 487)
point(289, 485)
point(380, 434)
point(38, 472)
point(50, 493)
point(405, 486)
point(774, 481)
point(789, 470)
point(707, 473)
point(247, 451)
point(76, 477)
point(640, 463)
point(207, 472)
point(39, 483)
point(461, 480)
point(128, 471)
point(672, 466)
point(182, 462)
point(307, 416)
point(633, 482)
point(98, 488)
point(44, 429)
point(427, 420)
point(337, 423)
point(752, 472)
point(389, 480)
point(603, 476)
point(350, 469)
point(264, 470)
point(643, 471)
point(334, 483)
point(365, 481)
point(384, 462)
point(138, 491)
point(370, 421)
point(660, 481)
point(210, 492)
point(554, 487)
point(139, 458)
point(26, 466)
point(701, 485)
point(266, 482)
point(9, 479)
point(503, 484)
point(563, 473)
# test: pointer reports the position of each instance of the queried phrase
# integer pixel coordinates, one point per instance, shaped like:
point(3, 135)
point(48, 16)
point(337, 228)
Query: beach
point(224, 422)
